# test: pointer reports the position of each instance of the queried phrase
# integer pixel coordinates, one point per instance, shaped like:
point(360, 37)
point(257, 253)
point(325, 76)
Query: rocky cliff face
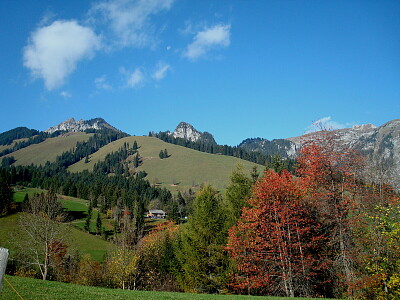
point(188, 132)
point(71, 125)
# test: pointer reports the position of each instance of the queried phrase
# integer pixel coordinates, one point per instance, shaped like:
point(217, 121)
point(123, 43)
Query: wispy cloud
point(65, 94)
point(325, 123)
point(54, 51)
point(102, 84)
point(130, 20)
point(135, 78)
point(217, 36)
point(161, 71)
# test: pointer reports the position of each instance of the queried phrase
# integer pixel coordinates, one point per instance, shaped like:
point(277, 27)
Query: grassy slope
point(3, 147)
point(38, 289)
point(85, 243)
point(47, 150)
point(186, 166)
point(19, 195)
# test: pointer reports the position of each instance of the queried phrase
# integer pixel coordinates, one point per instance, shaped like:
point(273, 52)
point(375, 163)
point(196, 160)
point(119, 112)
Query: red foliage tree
point(330, 173)
point(275, 243)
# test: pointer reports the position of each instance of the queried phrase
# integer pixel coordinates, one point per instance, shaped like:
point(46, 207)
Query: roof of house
point(156, 211)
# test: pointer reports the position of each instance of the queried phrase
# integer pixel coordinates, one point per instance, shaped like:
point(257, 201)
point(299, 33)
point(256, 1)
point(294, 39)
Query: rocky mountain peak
point(71, 125)
point(188, 132)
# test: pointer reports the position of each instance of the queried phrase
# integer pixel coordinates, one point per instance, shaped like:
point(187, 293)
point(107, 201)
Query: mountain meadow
point(90, 212)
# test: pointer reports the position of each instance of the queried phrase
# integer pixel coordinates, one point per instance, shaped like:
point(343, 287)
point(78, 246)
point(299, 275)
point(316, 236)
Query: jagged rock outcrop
point(188, 132)
point(71, 125)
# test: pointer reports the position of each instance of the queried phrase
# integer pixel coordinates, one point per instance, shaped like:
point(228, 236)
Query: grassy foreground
point(38, 289)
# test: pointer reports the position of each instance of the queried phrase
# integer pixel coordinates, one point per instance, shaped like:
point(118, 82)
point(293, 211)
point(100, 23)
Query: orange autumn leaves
point(274, 243)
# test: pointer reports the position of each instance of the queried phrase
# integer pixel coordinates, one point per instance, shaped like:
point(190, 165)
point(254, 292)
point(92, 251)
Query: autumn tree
point(331, 174)
point(89, 272)
point(377, 239)
point(41, 236)
point(203, 237)
point(158, 264)
point(275, 243)
point(121, 268)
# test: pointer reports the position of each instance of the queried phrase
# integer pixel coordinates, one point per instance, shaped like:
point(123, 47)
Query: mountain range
point(380, 145)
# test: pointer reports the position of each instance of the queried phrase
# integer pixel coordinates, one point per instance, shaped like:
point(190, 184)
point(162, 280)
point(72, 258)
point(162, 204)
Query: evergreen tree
point(136, 160)
point(161, 155)
point(165, 153)
point(99, 224)
point(173, 214)
point(6, 194)
point(254, 174)
point(135, 145)
point(237, 191)
point(88, 218)
point(201, 254)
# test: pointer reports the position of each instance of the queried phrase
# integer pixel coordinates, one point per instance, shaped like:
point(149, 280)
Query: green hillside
point(4, 147)
point(48, 150)
point(184, 168)
point(84, 242)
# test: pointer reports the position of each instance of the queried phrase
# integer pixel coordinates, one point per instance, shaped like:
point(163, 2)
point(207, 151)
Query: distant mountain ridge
point(71, 125)
point(282, 147)
point(380, 145)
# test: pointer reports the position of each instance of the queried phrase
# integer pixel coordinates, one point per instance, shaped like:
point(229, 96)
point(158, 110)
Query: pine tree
point(161, 155)
point(237, 191)
point(136, 160)
point(135, 145)
point(165, 153)
point(203, 260)
point(88, 218)
point(98, 224)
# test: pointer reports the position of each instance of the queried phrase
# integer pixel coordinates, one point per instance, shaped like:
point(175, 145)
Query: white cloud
point(130, 19)
point(101, 83)
point(210, 38)
point(325, 123)
point(53, 51)
point(65, 95)
point(135, 78)
point(161, 71)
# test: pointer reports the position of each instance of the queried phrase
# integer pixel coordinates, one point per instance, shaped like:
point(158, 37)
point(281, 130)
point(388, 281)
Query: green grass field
point(19, 194)
point(48, 150)
point(186, 167)
point(45, 290)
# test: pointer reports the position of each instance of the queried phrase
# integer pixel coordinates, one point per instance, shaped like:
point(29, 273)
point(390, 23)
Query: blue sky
point(237, 69)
